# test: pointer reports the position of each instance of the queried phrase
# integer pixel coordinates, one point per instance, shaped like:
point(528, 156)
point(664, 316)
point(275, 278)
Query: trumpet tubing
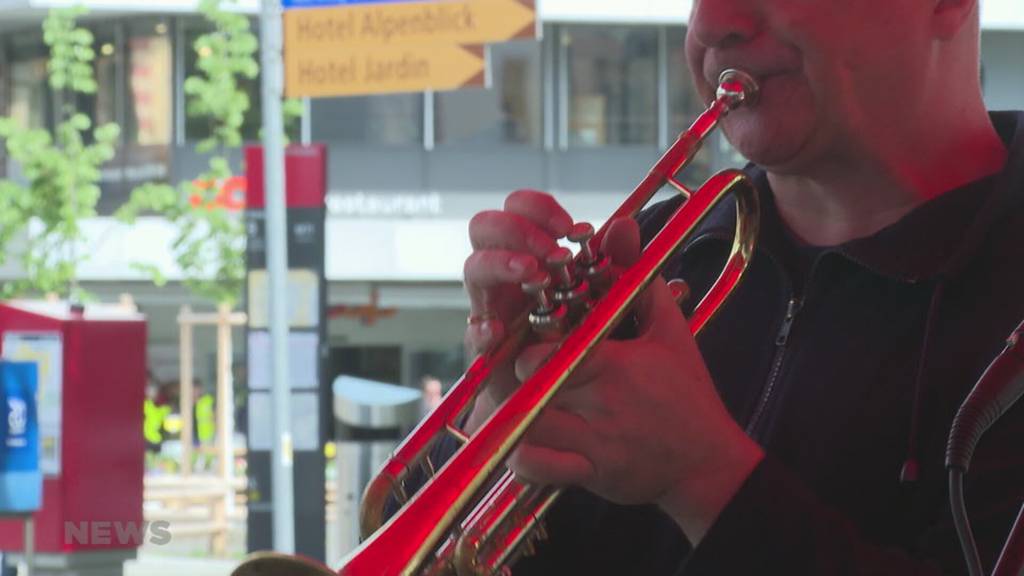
point(472, 516)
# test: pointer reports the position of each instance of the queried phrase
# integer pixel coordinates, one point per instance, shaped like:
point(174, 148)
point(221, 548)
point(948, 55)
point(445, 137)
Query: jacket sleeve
point(776, 525)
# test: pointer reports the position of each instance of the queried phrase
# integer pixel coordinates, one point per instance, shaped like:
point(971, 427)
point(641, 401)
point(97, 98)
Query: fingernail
point(520, 263)
point(486, 332)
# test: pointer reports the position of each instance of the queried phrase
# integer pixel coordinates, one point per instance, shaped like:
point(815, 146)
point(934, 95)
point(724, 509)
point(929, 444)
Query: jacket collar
point(935, 239)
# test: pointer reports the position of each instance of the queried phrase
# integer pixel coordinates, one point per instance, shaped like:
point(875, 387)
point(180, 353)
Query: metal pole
point(226, 406)
point(306, 129)
point(428, 120)
point(665, 127)
point(281, 478)
point(30, 545)
point(186, 392)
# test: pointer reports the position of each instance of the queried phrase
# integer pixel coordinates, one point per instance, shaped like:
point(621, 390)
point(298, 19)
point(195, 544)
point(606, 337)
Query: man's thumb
point(622, 242)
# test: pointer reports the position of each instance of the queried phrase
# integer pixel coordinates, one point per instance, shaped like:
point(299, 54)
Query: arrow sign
point(338, 28)
point(382, 70)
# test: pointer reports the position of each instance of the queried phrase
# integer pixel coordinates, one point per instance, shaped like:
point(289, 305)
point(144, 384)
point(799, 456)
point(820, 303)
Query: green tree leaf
point(209, 243)
point(60, 174)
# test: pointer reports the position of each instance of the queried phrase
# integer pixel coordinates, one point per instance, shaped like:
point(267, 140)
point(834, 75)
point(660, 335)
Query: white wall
point(378, 241)
point(615, 11)
point(1002, 54)
point(1002, 15)
point(995, 14)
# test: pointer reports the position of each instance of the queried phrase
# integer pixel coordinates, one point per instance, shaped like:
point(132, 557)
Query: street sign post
point(346, 48)
point(384, 70)
point(282, 467)
point(346, 26)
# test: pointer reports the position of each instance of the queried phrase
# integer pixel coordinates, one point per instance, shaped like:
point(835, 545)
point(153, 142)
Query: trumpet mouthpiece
point(737, 88)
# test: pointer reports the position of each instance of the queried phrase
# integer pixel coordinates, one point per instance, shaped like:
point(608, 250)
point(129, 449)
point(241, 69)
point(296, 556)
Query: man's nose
point(723, 23)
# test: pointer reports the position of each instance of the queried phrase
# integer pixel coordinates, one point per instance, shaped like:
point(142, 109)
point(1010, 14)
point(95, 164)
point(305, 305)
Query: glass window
point(29, 93)
point(149, 115)
point(684, 105)
point(442, 366)
point(102, 106)
point(380, 363)
point(612, 85)
point(509, 112)
point(5, 73)
point(134, 76)
point(5, 102)
point(105, 108)
point(390, 120)
point(31, 104)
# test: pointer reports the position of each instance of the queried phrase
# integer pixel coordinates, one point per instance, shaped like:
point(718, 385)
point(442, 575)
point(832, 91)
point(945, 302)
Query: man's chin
point(765, 145)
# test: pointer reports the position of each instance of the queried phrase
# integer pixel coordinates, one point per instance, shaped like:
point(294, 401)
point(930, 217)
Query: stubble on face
point(829, 72)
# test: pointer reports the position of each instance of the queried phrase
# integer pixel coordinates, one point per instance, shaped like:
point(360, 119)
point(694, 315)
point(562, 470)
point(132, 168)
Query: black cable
point(996, 391)
point(960, 521)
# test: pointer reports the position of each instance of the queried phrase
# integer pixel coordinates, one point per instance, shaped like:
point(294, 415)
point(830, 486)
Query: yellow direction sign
point(383, 70)
point(389, 23)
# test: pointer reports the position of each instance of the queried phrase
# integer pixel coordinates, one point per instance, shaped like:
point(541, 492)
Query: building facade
point(582, 112)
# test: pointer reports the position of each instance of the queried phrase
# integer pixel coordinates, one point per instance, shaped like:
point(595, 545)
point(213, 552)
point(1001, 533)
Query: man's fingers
point(507, 247)
point(541, 209)
point(509, 231)
point(656, 307)
point(622, 242)
point(530, 359)
point(484, 335)
point(485, 269)
point(560, 430)
point(492, 280)
point(658, 314)
point(541, 465)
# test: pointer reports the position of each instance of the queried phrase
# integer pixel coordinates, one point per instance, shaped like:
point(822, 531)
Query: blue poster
point(21, 482)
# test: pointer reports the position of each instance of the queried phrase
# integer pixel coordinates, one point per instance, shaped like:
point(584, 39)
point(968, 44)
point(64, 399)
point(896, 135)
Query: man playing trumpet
point(804, 432)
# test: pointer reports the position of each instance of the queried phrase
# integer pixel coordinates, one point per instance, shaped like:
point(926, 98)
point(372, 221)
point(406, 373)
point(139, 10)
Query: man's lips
point(759, 76)
point(759, 70)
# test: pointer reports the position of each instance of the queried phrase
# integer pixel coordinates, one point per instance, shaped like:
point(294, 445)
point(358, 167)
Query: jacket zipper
point(781, 340)
point(793, 307)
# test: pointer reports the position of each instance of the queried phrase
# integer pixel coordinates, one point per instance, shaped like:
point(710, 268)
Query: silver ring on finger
point(480, 318)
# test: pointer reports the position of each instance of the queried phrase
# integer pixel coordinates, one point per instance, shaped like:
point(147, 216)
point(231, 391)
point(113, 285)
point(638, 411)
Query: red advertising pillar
point(305, 190)
point(92, 375)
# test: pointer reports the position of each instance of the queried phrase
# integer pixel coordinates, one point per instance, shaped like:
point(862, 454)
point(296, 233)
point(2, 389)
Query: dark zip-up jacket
point(847, 365)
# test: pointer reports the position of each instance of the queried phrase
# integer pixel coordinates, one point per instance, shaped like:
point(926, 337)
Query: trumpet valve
point(559, 261)
point(572, 290)
point(592, 265)
point(548, 319)
point(581, 234)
